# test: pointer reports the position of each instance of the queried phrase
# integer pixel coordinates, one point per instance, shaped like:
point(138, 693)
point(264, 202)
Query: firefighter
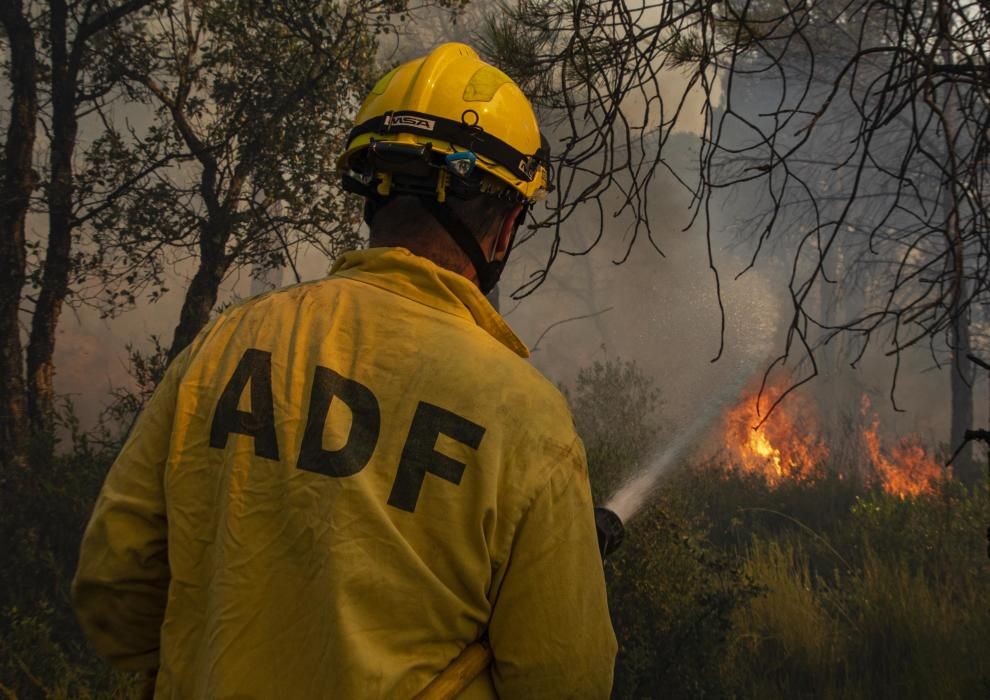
point(340, 485)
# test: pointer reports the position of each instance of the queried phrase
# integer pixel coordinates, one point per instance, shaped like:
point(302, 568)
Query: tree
point(870, 140)
point(18, 185)
point(251, 103)
point(67, 31)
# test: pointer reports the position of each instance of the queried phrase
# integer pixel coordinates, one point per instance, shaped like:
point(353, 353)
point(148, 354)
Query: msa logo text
point(410, 121)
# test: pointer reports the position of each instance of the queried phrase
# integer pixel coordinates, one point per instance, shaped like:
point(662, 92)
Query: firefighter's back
point(348, 464)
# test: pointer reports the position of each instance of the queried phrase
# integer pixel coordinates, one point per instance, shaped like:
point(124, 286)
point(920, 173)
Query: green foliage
point(740, 505)
point(42, 652)
point(672, 596)
point(616, 412)
point(518, 36)
point(941, 532)
point(671, 593)
point(252, 103)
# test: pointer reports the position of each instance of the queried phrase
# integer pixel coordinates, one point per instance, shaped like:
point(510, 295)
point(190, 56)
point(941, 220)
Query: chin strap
point(488, 271)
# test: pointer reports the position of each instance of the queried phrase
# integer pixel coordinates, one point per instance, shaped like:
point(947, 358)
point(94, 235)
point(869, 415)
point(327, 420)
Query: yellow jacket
point(336, 488)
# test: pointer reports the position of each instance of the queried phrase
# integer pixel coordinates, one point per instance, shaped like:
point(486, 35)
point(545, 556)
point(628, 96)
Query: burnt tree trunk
point(964, 465)
point(962, 373)
point(17, 185)
point(836, 395)
point(55, 274)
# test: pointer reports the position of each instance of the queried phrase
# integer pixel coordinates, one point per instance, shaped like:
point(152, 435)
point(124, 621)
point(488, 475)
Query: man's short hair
point(404, 219)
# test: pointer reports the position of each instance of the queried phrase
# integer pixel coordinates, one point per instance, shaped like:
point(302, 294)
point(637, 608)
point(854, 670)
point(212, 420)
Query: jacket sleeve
point(550, 629)
point(121, 582)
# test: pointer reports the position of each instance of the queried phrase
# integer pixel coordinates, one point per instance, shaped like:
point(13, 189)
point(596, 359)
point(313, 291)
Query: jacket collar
point(414, 277)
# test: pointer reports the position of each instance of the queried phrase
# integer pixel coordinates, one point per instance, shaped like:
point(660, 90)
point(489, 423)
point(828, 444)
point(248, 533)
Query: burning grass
point(785, 445)
point(782, 446)
point(907, 468)
point(789, 566)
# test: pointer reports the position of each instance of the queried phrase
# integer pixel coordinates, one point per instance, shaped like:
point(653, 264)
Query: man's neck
point(447, 256)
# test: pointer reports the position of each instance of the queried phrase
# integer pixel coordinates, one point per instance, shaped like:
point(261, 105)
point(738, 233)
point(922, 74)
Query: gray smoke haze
point(658, 311)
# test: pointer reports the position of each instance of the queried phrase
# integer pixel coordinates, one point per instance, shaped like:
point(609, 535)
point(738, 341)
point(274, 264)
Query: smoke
point(658, 310)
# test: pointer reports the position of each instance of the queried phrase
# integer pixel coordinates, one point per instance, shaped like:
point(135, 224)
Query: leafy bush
point(617, 412)
point(671, 594)
point(941, 532)
point(672, 597)
point(42, 652)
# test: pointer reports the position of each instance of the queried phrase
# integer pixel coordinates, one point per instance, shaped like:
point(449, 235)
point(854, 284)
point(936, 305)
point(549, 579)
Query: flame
point(784, 447)
point(787, 447)
point(909, 470)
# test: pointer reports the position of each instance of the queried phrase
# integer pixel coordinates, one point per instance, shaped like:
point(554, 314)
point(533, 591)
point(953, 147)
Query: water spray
point(634, 493)
point(610, 519)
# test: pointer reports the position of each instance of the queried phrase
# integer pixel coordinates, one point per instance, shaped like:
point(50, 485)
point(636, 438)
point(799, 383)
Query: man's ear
point(506, 232)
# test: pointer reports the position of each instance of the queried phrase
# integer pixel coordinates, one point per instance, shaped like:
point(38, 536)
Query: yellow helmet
point(440, 119)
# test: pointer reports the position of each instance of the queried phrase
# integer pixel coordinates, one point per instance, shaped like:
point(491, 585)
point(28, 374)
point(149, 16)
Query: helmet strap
point(488, 271)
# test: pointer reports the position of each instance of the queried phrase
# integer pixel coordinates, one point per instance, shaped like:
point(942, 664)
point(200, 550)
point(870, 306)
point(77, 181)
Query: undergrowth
point(42, 651)
point(726, 587)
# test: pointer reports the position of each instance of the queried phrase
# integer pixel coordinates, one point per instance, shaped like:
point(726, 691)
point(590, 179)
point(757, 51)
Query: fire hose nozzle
point(610, 530)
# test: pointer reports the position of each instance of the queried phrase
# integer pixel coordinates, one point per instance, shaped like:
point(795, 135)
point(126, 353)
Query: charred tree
point(964, 465)
point(961, 371)
point(18, 183)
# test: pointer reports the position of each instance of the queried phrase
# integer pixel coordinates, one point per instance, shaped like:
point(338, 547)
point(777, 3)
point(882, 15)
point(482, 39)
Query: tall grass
point(785, 639)
point(886, 630)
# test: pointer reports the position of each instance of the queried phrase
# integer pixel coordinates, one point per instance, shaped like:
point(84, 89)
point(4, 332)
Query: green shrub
point(739, 505)
point(671, 594)
point(672, 597)
point(617, 413)
point(46, 506)
point(944, 531)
